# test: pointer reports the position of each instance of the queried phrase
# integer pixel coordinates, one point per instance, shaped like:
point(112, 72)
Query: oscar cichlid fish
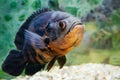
point(45, 37)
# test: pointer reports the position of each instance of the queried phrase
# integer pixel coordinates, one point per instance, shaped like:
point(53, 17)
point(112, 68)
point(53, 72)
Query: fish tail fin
point(14, 63)
point(32, 68)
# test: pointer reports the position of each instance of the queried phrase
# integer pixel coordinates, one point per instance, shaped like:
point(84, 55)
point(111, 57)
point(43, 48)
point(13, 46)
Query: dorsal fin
point(19, 39)
point(36, 13)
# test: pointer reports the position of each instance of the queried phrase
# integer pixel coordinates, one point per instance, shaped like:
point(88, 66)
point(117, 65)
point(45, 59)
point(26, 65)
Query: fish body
point(46, 36)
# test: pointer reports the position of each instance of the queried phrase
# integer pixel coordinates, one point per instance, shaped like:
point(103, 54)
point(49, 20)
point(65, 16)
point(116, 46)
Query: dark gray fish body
point(45, 37)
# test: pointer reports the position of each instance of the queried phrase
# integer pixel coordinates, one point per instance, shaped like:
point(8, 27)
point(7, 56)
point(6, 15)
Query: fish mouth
point(74, 25)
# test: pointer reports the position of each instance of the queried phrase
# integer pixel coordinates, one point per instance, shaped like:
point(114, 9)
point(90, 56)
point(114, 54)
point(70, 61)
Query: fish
point(44, 38)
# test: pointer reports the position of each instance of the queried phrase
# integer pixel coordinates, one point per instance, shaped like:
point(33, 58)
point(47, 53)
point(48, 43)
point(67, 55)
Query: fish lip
point(73, 25)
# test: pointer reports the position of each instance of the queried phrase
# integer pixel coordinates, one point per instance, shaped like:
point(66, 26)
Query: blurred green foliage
point(104, 42)
point(107, 34)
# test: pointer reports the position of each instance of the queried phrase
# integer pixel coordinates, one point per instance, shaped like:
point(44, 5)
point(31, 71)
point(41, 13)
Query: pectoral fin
point(34, 39)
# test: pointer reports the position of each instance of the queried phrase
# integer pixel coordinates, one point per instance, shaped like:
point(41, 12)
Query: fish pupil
point(62, 25)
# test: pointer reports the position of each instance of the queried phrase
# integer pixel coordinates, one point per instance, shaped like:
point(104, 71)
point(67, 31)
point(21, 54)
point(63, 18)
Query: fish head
point(61, 24)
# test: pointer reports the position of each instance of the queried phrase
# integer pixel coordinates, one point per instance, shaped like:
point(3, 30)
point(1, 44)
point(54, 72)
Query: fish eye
point(62, 24)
